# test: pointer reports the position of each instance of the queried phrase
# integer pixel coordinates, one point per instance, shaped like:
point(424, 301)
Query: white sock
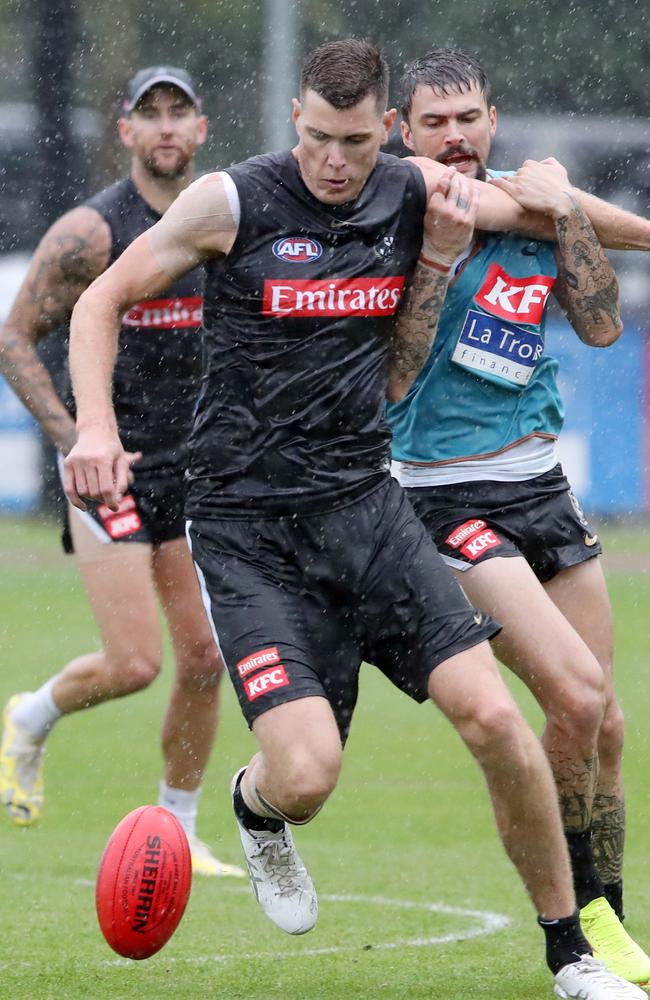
point(183, 804)
point(38, 712)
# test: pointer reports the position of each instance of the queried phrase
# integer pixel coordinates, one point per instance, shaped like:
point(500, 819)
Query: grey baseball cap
point(150, 77)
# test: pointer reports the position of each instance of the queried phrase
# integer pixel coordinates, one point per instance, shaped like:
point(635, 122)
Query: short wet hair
point(445, 71)
point(345, 72)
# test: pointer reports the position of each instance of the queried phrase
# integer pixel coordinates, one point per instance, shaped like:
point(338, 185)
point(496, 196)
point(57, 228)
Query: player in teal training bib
point(474, 443)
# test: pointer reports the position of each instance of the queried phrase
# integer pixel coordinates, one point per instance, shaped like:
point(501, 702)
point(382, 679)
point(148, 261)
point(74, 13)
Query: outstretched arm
point(198, 225)
point(73, 252)
point(615, 228)
point(448, 226)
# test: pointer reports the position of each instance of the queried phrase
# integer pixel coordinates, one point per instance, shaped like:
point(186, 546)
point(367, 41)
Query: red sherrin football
point(143, 882)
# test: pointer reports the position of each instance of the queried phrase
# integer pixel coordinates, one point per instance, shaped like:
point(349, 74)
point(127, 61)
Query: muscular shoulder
point(76, 248)
point(201, 222)
point(72, 253)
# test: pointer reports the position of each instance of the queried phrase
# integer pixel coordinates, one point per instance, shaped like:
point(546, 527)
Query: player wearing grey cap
point(130, 558)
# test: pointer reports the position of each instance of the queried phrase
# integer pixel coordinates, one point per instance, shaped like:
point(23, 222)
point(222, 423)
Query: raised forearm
point(586, 286)
point(416, 328)
point(30, 380)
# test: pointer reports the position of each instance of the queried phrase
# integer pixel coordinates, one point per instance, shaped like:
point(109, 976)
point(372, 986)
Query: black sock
point(250, 819)
point(586, 880)
point(614, 896)
point(565, 942)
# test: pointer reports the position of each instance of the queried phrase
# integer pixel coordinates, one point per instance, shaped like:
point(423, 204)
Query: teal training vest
point(487, 382)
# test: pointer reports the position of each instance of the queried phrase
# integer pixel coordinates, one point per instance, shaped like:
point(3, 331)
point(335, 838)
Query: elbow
point(605, 337)
point(396, 390)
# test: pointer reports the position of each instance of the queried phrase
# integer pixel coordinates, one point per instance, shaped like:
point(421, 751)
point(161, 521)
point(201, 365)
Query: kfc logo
point(123, 521)
point(270, 679)
point(263, 658)
point(476, 546)
point(297, 249)
point(119, 527)
point(334, 297)
point(522, 300)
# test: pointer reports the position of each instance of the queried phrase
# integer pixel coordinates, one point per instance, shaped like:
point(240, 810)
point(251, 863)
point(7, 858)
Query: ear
point(125, 132)
point(389, 121)
point(296, 110)
point(407, 138)
point(201, 130)
point(492, 114)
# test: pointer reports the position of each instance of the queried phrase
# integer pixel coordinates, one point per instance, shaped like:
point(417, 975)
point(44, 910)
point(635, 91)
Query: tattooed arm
point(71, 255)
point(448, 226)
point(586, 285)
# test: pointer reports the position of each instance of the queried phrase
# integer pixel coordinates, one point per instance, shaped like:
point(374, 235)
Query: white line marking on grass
point(486, 923)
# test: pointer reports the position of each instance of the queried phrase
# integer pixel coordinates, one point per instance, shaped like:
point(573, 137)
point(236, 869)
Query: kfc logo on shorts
point(121, 522)
point(473, 538)
point(476, 546)
point(522, 300)
point(256, 661)
point(297, 249)
point(268, 681)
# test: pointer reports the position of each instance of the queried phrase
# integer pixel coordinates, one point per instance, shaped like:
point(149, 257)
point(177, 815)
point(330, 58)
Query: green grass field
point(405, 856)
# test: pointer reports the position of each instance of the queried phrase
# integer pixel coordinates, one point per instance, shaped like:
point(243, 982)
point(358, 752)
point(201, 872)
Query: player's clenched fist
point(450, 217)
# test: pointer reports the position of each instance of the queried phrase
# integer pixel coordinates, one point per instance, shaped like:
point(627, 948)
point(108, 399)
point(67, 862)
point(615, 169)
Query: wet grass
point(409, 824)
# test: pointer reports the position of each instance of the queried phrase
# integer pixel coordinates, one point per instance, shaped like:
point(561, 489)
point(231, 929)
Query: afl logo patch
point(297, 249)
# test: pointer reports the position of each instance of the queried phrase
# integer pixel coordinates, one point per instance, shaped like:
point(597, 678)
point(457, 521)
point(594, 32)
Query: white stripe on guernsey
point(205, 596)
point(87, 518)
point(232, 194)
point(513, 465)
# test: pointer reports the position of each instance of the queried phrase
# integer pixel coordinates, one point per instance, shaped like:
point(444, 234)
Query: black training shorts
point(297, 603)
point(539, 519)
point(151, 512)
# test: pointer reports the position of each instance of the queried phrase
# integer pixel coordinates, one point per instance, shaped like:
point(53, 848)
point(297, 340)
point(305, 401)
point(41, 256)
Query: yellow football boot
point(205, 863)
point(21, 769)
point(612, 944)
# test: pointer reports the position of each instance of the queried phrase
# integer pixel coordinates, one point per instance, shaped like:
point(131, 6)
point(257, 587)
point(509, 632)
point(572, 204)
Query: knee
point(580, 707)
point(612, 734)
point(200, 668)
point(495, 728)
point(310, 778)
point(134, 673)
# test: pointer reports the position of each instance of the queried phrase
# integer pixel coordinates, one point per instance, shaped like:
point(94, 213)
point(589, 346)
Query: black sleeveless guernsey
point(158, 366)
point(297, 322)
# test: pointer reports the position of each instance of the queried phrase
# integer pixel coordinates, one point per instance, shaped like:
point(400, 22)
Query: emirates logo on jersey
point(336, 297)
point(166, 314)
point(522, 300)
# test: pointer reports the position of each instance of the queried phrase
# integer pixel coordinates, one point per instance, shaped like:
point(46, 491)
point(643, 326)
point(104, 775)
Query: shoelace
point(278, 860)
point(596, 971)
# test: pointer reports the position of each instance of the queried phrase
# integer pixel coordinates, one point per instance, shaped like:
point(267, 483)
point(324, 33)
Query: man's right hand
point(98, 468)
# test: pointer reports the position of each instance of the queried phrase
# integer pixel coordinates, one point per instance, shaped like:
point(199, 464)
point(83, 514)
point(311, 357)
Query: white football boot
point(280, 881)
point(589, 979)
